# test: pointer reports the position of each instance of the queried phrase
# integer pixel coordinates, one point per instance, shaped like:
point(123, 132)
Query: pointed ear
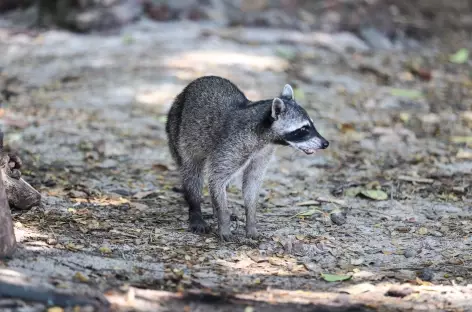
point(278, 106)
point(287, 92)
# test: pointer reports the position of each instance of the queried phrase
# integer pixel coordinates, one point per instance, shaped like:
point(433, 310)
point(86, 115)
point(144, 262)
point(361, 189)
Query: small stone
point(357, 261)
point(108, 164)
point(409, 253)
point(338, 217)
point(77, 194)
point(122, 192)
point(51, 241)
point(427, 274)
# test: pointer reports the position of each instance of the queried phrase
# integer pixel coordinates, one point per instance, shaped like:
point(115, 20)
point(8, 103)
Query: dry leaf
point(81, 278)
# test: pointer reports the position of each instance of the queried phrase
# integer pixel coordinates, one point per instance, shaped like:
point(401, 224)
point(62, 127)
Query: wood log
point(19, 193)
point(7, 233)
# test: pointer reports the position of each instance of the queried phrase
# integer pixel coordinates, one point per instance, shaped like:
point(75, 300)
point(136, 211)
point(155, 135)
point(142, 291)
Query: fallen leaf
point(460, 57)
point(422, 231)
point(352, 191)
point(422, 73)
point(335, 277)
point(160, 167)
point(339, 202)
point(308, 203)
point(375, 194)
point(80, 277)
point(141, 195)
point(104, 250)
point(406, 93)
point(284, 53)
point(55, 309)
point(307, 213)
point(300, 237)
point(417, 180)
point(464, 154)
point(461, 139)
point(423, 283)
point(139, 206)
point(249, 309)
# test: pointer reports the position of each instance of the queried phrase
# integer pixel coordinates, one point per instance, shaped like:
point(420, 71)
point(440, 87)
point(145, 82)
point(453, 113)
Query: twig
point(415, 180)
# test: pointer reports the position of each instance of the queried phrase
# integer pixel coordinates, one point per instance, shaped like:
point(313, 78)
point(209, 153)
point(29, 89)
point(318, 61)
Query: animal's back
point(198, 116)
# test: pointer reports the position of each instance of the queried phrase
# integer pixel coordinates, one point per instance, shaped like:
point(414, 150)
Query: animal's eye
point(304, 128)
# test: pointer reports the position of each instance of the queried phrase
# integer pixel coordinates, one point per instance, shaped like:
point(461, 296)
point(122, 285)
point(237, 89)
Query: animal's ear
point(287, 92)
point(278, 106)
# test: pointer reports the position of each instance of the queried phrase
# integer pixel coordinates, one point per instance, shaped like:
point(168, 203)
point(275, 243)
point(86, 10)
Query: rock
point(77, 194)
point(375, 38)
point(122, 192)
point(427, 274)
point(108, 164)
point(338, 217)
point(7, 233)
point(409, 253)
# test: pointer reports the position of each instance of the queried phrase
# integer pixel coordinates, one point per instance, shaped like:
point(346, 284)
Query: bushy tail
point(174, 119)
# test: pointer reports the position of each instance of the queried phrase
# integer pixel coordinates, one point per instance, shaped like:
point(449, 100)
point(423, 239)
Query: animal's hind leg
point(192, 184)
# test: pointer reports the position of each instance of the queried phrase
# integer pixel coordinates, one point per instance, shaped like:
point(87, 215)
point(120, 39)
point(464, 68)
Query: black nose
point(325, 144)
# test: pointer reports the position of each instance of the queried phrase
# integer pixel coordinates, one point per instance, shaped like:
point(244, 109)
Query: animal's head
point(292, 125)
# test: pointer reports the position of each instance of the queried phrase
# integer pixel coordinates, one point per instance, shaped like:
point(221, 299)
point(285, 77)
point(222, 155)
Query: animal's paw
point(198, 225)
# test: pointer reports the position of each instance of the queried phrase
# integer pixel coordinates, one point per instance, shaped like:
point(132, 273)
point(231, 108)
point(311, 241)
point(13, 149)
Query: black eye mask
point(300, 135)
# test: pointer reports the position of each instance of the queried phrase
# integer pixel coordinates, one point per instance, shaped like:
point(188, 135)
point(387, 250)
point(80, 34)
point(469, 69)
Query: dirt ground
point(387, 203)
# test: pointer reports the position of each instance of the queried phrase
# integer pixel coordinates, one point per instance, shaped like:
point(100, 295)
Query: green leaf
point(128, 39)
point(375, 194)
point(335, 277)
point(285, 53)
point(460, 57)
point(411, 94)
point(307, 213)
point(352, 191)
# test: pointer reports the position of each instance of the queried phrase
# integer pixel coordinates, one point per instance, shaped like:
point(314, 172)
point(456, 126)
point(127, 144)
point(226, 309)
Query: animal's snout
point(324, 144)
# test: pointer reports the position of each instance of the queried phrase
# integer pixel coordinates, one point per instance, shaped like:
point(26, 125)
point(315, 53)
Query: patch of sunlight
point(220, 58)
point(160, 95)
point(10, 276)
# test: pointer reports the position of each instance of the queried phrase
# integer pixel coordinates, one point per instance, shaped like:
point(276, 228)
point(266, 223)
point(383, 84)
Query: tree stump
point(20, 194)
point(14, 192)
point(7, 233)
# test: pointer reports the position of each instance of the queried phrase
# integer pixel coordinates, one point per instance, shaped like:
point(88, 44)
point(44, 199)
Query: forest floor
point(386, 209)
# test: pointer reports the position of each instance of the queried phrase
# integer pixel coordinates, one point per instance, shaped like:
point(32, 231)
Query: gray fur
point(287, 92)
point(212, 124)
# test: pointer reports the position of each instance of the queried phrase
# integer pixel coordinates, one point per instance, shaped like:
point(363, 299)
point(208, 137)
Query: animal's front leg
point(221, 170)
point(252, 181)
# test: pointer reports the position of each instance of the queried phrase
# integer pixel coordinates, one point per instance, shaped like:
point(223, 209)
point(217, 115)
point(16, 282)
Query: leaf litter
point(142, 237)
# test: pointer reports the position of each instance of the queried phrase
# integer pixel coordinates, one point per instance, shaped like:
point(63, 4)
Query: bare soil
point(87, 112)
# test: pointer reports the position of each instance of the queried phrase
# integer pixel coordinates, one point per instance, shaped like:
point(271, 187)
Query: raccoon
point(213, 128)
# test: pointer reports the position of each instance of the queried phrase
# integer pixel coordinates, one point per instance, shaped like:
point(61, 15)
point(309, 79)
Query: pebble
point(122, 192)
point(409, 253)
point(427, 274)
point(338, 217)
